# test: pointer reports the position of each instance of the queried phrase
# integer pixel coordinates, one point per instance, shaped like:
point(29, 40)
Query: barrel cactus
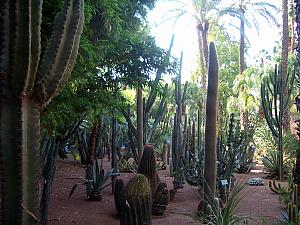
point(136, 207)
point(28, 84)
point(160, 199)
point(147, 167)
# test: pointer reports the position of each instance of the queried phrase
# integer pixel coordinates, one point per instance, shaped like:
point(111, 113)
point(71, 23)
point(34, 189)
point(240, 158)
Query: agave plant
point(216, 215)
point(271, 165)
point(94, 182)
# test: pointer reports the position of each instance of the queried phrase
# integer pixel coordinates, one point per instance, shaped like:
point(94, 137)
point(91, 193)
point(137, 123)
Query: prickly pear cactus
point(147, 167)
point(160, 199)
point(137, 201)
point(27, 85)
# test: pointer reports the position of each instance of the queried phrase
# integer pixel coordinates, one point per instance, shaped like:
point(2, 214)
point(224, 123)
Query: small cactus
point(160, 199)
point(292, 213)
point(136, 207)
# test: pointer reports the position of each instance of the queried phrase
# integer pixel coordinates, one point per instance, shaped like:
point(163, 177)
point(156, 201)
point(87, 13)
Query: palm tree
point(205, 13)
point(248, 12)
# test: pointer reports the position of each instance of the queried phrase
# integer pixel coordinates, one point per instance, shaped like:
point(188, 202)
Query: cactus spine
point(27, 85)
point(136, 208)
point(274, 101)
point(211, 126)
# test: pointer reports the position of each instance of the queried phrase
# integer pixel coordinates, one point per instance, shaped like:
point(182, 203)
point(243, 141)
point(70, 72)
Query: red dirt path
point(259, 202)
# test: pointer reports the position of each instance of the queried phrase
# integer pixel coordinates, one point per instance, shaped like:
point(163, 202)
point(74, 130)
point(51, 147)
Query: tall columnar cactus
point(211, 126)
point(177, 134)
point(137, 202)
point(274, 102)
point(146, 132)
point(27, 85)
point(147, 167)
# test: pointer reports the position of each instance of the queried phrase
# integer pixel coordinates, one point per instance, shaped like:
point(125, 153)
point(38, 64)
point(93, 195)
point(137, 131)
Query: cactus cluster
point(293, 216)
point(28, 84)
point(274, 101)
point(137, 188)
point(287, 194)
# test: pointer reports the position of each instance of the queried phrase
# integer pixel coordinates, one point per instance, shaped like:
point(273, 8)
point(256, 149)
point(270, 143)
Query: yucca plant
point(95, 182)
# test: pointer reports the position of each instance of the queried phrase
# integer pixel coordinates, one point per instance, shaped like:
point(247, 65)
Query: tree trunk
point(284, 59)
point(92, 143)
point(139, 113)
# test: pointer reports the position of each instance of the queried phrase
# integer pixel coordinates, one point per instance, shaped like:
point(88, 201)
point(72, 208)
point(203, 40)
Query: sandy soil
point(259, 202)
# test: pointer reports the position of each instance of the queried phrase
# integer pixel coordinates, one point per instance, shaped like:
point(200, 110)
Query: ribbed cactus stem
point(136, 208)
point(147, 167)
point(160, 199)
point(211, 126)
point(27, 86)
point(118, 195)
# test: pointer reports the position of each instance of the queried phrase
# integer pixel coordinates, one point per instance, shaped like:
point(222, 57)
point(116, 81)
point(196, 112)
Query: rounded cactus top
point(138, 186)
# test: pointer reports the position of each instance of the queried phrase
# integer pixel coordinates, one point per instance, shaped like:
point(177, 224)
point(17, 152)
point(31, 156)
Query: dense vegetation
point(117, 104)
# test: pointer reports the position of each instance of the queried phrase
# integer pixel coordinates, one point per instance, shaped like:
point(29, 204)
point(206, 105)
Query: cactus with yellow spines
point(28, 83)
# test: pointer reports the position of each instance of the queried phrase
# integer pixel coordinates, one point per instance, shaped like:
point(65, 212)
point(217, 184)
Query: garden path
point(259, 202)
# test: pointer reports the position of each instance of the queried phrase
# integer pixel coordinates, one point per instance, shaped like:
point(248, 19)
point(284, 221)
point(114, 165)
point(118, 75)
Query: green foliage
point(94, 182)
point(226, 215)
point(271, 165)
point(116, 51)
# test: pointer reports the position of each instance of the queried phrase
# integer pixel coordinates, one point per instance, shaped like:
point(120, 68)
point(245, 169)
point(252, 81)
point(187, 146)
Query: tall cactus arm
point(268, 111)
point(159, 113)
point(23, 31)
point(153, 92)
point(290, 88)
point(184, 92)
point(61, 51)
point(4, 38)
point(35, 48)
point(129, 121)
